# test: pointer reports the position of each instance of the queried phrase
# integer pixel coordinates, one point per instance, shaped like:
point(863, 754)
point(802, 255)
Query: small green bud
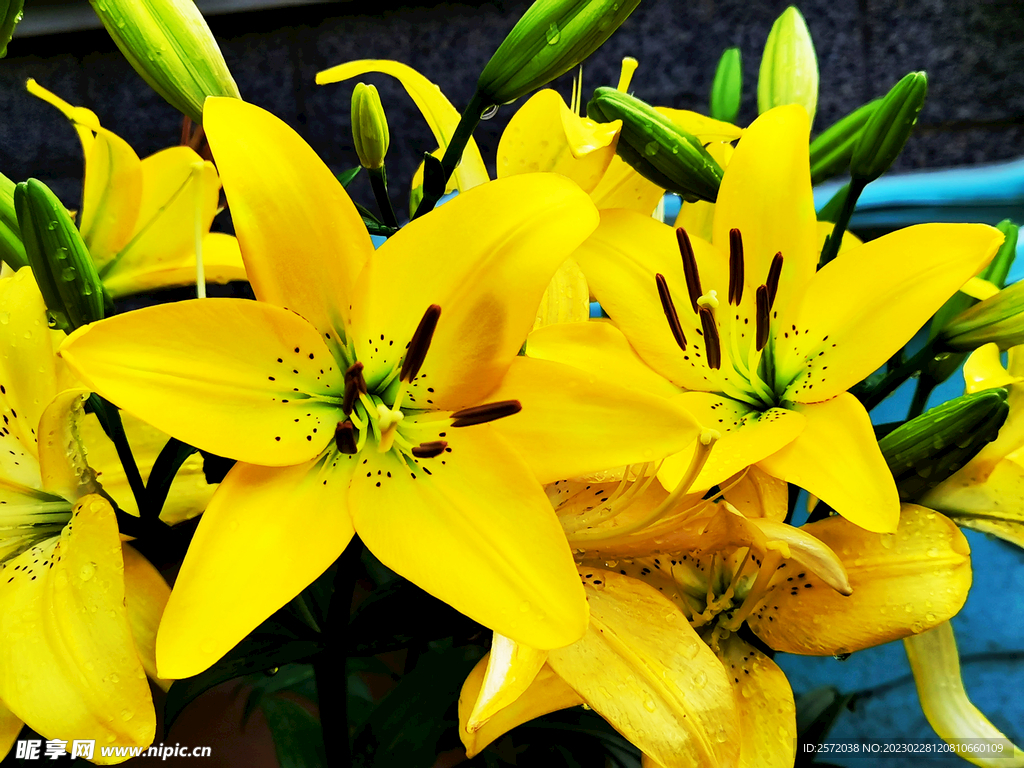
point(996, 320)
point(657, 148)
point(727, 88)
point(926, 450)
point(552, 37)
point(888, 129)
point(369, 127)
point(11, 12)
point(789, 66)
point(832, 149)
point(12, 252)
point(59, 259)
point(170, 45)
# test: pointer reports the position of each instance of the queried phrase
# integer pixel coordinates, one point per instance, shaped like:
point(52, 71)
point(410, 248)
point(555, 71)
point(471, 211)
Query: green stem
point(110, 419)
point(834, 240)
point(924, 388)
point(379, 183)
point(468, 122)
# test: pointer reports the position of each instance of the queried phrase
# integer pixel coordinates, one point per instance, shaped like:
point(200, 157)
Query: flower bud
point(789, 66)
point(170, 45)
point(12, 252)
point(59, 259)
point(369, 127)
point(657, 148)
point(551, 38)
point(926, 450)
point(996, 320)
point(888, 129)
point(10, 15)
point(727, 88)
point(832, 149)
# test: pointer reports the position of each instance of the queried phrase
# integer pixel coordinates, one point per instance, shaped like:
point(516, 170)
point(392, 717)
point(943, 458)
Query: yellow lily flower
point(663, 661)
point(143, 219)
point(78, 609)
point(760, 346)
point(987, 493)
point(354, 395)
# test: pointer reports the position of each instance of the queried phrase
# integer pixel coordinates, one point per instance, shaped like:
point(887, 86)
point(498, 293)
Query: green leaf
point(297, 678)
point(10, 15)
point(347, 177)
point(298, 739)
point(816, 713)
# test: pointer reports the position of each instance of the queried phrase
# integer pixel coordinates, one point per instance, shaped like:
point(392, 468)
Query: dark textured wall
point(973, 51)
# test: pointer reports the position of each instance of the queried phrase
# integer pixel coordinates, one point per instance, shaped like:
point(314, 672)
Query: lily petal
point(698, 218)
point(758, 494)
point(645, 670)
point(226, 375)
point(10, 727)
point(253, 552)
point(439, 113)
point(936, 666)
point(301, 237)
point(110, 196)
point(566, 299)
point(503, 242)
point(860, 308)
point(511, 669)
point(62, 462)
point(83, 119)
point(837, 459)
point(68, 665)
point(850, 240)
point(903, 583)
point(145, 595)
point(622, 187)
point(571, 425)
point(984, 370)
point(473, 528)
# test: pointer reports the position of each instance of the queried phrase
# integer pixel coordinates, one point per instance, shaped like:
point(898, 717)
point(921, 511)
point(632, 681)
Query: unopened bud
point(170, 45)
point(997, 320)
point(369, 127)
point(59, 259)
point(832, 149)
point(656, 148)
point(12, 252)
point(889, 127)
point(926, 450)
point(551, 38)
point(789, 66)
point(727, 87)
point(10, 15)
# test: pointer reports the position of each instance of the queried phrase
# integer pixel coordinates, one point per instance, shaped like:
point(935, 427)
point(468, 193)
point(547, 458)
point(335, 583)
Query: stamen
point(355, 385)
point(735, 267)
point(629, 65)
point(345, 437)
point(763, 308)
point(689, 267)
point(669, 309)
point(429, 450)
point(774, 273)
point(481, 414)
point(712, 343)
point(420, 343)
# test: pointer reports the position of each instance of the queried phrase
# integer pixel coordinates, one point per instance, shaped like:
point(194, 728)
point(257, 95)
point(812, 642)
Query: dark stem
point(468, 122)
point(379, 183)
point(834, 240)
point(924, 388)
point(110, 419)
point(165, 468)
point(330, 665)
point(893, 379)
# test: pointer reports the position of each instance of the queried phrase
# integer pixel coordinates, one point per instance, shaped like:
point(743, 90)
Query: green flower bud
point(10, 15)
point(369, 127)
point(789, 66)
point(551, 38)
point(888, 129)
point(59, 259)
point(832, 149)
point(727, 88)
point(996, 320)
point(657, 148)
point(12, 252)
point(926, 450)
point(170, 45)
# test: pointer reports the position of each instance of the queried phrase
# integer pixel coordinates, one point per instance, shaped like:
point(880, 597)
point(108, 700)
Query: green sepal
point(552, 37)
point(657, 148)
point(926, 450)
point(832, 149)
point(60, 261)
point(12, 250)
point(12, 11)
point(889, 127)
point(727, 88)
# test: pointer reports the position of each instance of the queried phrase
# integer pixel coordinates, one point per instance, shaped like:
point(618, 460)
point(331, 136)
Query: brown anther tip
point(355, 385)
point(421, 338)
point(481, 414)
point(735, 267)
point(689, 267)
point(430, 449)
point(774, 274)
point(763, 319)
point(669, 308)
point(712, 342)
point(345, 437)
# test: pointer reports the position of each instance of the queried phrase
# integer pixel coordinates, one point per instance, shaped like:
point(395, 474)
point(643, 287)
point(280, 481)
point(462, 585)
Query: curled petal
point(511, 669)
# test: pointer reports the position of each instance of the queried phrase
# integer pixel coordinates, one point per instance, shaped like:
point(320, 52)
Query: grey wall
point(973, 51)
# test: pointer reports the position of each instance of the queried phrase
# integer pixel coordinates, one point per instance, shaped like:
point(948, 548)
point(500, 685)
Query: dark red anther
point(345, 437)
point(712, 342)
point(355, 385)
point(735, 267)
point(417, 352)
point(772, 283)
point(481, 414)
point(689, 267)
point(429, 450)
point(670, 311)
point(763, 319)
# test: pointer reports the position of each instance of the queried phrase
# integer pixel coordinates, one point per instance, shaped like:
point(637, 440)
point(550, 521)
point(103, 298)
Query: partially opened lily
point(759, 345)
point(355, 395)
point(143, 220)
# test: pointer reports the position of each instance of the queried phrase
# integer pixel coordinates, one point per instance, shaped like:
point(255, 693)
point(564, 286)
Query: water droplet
point(649, 704)
point(127, 714)
point(700, 678)
point(931, 618)
point(689, 648)
point(933, 552)
point(651, 149)
point(87, 572)
point(888, 539)
point(721, 736)
point(114, 678)
point(553, 34)
point(5, 318)
point(490, 112)
point(604, 692)
point(524, 607)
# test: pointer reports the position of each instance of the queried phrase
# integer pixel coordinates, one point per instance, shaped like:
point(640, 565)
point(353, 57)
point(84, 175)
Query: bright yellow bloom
point(662, 660)
point(755, 342)
point(353, 394)
point(141, 219)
